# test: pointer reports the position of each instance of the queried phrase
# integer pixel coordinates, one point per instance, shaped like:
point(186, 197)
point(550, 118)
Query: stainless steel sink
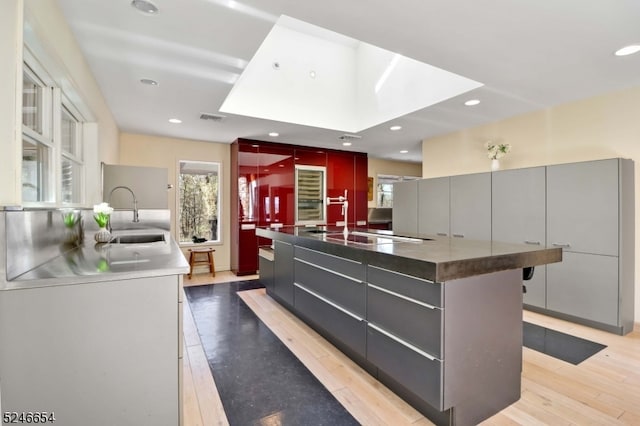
point(138, 238)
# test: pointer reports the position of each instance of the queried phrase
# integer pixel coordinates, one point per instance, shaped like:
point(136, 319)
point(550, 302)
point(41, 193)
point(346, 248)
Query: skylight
point(308, 75)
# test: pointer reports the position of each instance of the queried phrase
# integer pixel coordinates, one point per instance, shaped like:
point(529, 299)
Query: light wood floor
point(603, 390)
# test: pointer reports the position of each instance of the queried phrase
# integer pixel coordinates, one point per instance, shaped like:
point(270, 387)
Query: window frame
point(53, 101)
point(178, 208)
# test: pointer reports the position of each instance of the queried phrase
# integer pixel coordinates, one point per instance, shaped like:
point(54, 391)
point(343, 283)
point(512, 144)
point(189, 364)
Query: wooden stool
point(193, 260)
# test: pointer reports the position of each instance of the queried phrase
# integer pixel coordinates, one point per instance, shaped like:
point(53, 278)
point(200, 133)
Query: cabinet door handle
point(533, 243)
point(564, 245)
point(442, 234)
point(458, 235)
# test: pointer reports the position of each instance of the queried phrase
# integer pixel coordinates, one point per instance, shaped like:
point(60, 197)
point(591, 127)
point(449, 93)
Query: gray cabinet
point(470, 214)
point(405, 207)
point(405, 331)
point(586, 208)
point(283, 272)
point(433, 206)
point(267, 269)
point(341, 325)
point(341, 281)
point(584, 286)
point(103, 353)
point(590, 213)
point(331, 293)
point(417, 372)
point(518, 215)
point(582, 206)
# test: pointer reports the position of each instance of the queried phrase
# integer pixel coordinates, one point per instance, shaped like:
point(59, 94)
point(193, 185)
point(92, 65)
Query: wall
point(378, 166)
point(154, 151)
point(69, 68)
point(606, 126)
point(71, 71)
point(10, 88)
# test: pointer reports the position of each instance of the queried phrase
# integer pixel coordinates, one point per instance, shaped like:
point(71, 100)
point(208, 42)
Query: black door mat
point(559, 345)
point(259, 380)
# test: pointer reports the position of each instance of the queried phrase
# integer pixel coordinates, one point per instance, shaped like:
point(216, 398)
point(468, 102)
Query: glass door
point(310, 195)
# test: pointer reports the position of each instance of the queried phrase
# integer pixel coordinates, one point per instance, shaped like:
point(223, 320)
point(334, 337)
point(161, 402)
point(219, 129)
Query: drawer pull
point(344, 259)
point(409, 299)
point(329, 270)
point(565, 245)
point(533, 243)
point(400, 273)
point(328, 302)
point(402, 342)
point(442, 234)
point(458, 235)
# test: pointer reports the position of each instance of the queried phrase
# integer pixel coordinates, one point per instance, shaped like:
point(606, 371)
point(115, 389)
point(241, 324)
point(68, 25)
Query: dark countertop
point(426, 256)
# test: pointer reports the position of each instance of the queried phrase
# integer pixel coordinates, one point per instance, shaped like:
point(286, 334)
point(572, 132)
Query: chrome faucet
point(345, 209)
point(135, 203)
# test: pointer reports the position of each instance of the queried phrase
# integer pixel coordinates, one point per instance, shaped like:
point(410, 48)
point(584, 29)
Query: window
point(199, 201)
point(37, 140)
point(385, 188)
point(52, 155)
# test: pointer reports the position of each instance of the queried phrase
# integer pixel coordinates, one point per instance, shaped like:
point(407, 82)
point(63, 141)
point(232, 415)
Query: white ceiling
point(529, 54)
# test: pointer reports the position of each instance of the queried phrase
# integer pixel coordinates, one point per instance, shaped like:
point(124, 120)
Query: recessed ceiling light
point(628, 50)
point(404, 151)
point(346, 143)
point(148, 81)
point(472, 102)
point(274, 134)
point(312, 74)
point(175, 121)
point(394, 128)
point(145, 6)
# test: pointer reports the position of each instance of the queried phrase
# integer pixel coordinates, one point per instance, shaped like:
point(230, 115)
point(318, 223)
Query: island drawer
point(415, 370)
point(335, 264)
point(344, 326)
point(412, 287)
point(345, 291)
point(415, 322)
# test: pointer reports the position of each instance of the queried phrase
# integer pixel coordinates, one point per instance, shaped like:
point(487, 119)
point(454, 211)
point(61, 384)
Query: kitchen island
point(91, 333)
point(438, 320)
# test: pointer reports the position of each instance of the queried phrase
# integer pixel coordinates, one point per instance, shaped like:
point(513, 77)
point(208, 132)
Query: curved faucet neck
point(135, 201)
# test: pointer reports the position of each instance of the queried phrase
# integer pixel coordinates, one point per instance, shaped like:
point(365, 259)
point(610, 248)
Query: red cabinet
point(276, 185)
point(263, 191)
point(244, 208)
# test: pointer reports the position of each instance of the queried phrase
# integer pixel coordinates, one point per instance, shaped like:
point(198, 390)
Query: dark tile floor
point(559, 345)
point(259, 380)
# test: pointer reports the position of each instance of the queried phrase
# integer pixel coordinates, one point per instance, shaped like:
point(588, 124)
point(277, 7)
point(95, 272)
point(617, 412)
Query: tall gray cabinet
point(470, 210)
point(433, 205)
point(519, 216)
point(586, 208)
point(405, 206)
point(590, 214)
